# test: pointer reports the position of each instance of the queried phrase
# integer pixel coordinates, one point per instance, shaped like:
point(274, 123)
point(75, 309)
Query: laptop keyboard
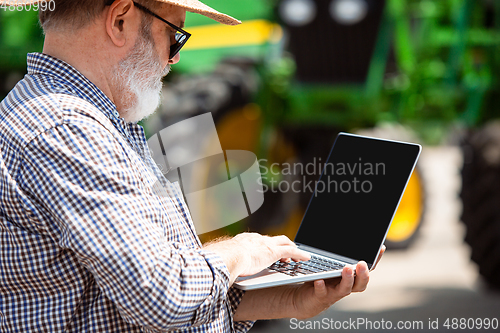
point(314, 265)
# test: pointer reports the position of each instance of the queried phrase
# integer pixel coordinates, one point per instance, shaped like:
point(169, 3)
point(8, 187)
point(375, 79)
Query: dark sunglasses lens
point(181, 40)
point(174, 49)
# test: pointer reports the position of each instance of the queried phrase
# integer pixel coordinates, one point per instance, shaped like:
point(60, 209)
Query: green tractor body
point(315, 79)
point(19, 35)
point(296, 72)
point(427, 64)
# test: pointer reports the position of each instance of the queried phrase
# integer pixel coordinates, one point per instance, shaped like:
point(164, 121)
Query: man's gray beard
point(139, 78)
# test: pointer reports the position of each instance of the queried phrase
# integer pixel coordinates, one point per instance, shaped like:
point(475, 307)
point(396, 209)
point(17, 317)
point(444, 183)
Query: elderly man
point(85, 243)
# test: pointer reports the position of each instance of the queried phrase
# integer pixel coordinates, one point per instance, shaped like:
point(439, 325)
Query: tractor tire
point(480, 197)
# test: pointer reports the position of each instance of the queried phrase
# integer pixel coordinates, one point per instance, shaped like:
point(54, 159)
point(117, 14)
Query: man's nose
point(175, 59)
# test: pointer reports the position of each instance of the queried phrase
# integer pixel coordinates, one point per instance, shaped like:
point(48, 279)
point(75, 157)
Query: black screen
point(357, 195)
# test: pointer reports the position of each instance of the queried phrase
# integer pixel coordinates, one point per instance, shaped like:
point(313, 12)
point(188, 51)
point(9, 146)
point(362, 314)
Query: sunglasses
point(181, 36)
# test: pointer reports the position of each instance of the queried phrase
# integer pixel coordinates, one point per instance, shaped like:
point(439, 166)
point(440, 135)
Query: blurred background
point(296, 72)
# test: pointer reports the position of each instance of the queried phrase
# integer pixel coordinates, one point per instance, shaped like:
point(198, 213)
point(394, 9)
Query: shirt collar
point(40, 63)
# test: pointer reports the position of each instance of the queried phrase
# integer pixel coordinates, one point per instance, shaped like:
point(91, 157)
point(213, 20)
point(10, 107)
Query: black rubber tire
point(480, 197)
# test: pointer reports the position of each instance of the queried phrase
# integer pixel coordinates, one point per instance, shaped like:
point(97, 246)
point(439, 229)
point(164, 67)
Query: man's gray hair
point(77, 14)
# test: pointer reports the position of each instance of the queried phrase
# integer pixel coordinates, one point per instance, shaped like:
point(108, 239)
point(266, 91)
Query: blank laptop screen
point(356, 197)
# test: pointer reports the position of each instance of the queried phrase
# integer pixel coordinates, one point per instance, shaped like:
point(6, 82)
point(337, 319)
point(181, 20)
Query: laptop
point(350, 211)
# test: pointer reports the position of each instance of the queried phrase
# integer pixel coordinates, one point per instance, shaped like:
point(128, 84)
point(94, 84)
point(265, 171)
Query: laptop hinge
point(327, 254)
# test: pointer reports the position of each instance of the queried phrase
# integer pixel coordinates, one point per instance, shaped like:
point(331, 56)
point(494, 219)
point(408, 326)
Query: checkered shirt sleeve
point(86, 244)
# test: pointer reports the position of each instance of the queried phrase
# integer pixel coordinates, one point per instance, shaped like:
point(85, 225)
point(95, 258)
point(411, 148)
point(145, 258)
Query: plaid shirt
point(85, 243)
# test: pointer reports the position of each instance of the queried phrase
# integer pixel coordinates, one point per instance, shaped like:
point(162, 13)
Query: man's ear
point(119, 20)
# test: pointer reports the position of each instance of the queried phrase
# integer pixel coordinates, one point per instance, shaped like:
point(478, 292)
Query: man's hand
point(249, 253)
point(304, 301)
point(312, 298)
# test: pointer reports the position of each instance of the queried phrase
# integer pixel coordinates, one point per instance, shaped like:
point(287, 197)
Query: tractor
point(283, 84)
point(296, 72)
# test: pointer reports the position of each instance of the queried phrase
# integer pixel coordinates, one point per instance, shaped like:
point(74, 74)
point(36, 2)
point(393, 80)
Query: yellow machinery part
point(238, 129)
point(409, 213)
point(255, 32)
